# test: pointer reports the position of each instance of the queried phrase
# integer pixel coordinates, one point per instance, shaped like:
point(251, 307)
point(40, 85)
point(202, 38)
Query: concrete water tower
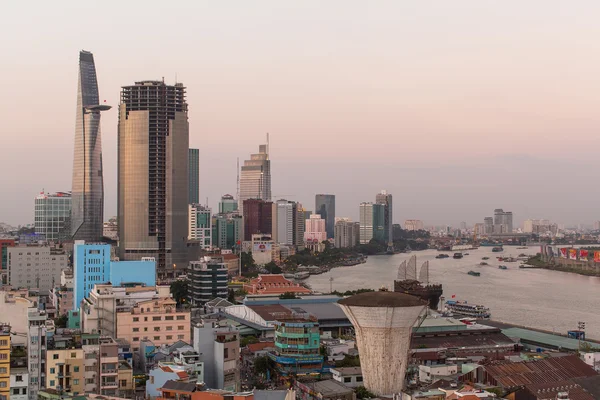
point(383, 322)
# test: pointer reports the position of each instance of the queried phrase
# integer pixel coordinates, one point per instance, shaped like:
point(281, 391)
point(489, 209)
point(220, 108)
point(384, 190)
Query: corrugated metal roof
point(554, 341)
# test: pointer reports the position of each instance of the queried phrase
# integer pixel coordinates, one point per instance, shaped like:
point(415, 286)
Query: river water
point(538, 298)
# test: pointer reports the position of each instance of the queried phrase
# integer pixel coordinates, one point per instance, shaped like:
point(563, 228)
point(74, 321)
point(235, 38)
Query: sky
point(456, 108)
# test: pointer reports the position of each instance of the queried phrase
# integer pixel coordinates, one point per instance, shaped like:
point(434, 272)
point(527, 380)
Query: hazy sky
point(455, 107)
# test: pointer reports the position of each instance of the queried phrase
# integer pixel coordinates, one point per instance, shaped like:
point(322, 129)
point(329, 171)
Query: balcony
point(109, 371)
point(109, 384)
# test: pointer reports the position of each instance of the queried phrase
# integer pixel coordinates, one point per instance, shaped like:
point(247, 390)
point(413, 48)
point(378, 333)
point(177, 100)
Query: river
point(538, 298)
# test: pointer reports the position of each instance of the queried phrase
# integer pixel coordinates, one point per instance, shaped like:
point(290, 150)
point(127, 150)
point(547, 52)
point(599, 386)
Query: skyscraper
point(386, 200)
point(325, 207)
point(255, 177)
point(52, 215)
point(87, 190)
point(366, 222)
point(153, 175)
point(227, 204)
point(346, 233)
point(258, 218)
point(379, 223)
point(284, 217)
point(503, 221)
point(200, 225)
point(194, 176)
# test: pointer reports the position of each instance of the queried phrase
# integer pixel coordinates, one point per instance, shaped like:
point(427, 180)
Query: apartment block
point(219, 347)
point(35, 266)
point(4, 361)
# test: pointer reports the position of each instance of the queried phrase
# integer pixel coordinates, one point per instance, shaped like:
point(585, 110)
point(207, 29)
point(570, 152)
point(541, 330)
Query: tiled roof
point(549, 370)
point(178, 386)
point(254, 347)
point(550, 390)
point(271, 312)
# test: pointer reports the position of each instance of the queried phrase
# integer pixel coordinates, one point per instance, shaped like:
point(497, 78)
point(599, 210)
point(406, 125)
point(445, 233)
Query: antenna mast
point(267, 145)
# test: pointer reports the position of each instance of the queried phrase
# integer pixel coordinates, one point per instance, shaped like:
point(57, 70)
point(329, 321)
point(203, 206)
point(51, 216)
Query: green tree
point(363, 393)
point(348, 361)
point(248, 264)
point(245, 341)
point(288, 295)
point(231, 296)
point(61, 322)
point(273, 268)
point(262, 365)
point(179, 290)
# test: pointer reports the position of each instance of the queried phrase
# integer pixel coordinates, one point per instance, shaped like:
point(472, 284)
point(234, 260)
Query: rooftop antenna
point(267, 145)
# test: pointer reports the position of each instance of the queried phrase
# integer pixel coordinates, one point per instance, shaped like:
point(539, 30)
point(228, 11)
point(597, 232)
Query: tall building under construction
point(153, 175)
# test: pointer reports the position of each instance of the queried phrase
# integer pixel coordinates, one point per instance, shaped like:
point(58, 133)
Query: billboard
point(572, 254)
point(563, 252)
point(262, 247)
point(583, 255)
point(597, 256)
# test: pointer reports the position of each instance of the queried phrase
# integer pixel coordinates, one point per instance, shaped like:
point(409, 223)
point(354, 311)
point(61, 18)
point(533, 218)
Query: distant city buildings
point(366, 222)
point(53, 215)
point(413, 225)
point(258, 217)
point(200, 225)
point(488, 225)
point(379, 228)
point(503, 221)
point(87, 209)
point(262, 248)
point(346, 233)
point(194, 176)
point(153, 186)
point(227, 230)
point(325, 207)
point(385, 199)
point(207, 280)
point(284, 221)
point(315, 231)
point(35, 266)
point(255, 177)
point(540, 227)
point(227, 204)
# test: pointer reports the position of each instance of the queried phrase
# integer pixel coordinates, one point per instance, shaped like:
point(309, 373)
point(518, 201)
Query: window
point(75, 381)
point(169, 328)
point(225, 352)
point(55, 356)
point(3, 370)
point(90, 381)
point(156, 319)
point(359, 379)
point(169, 337)
point(24, 391)
point(347, 379)
point(180, 337)
point(52, 370)
point(89, 368)
point(180, 328)
point(136, 329)
point(146, 318)
point(3, 356)
point(51, 383)
point(3, 342)
point(169, 318)
point(156, 337)
point(73, 355)
point(16, 391)
point(136, 319)
point(157, 329)
point(136, 339)
point(123, 382)
point(181, 318)
point(145, 329)
point(75, 369)
point(19, 378)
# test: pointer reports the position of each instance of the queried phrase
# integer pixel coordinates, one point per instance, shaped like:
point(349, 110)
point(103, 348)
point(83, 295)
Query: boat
point(469, 310)
point(497, 249)
point(445, 248)
point(420, 287)
point(442, 256)
point(483, 263)
point(485, 258)
point(488, 244)
point(457, 255)
point(466, 254)
point(520, 248)
point(502, 267)
point(473, 273)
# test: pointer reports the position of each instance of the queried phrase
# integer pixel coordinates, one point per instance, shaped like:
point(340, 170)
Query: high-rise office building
point(284, 220)
point(87, 210)
point(379, 228)
point(153, 175)
point(258, 218)
point(194, 176)
point(200, 225)
point(366, 222)
point(503, 221)
point(227, 231)
point(255, 177)
point(315, 229)
point(325, 207)
point(52, 215)
point(300, 226)
point(385, 199)
point(346, 233)
point(227, 204)
point(488, 225)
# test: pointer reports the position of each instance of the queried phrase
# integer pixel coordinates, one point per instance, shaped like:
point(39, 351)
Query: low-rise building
point(5, 350)
point(430, 373)
point(348, 376)
point(64, 365)
point(219, 348)
point(35, 266)
point(325, 390)
point(19, 376)
point(61, 296)
point(159, 376)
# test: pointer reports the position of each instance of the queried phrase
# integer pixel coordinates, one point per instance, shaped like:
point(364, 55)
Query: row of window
point(167, 318)
point(158, 338)
point(157, 328)
point(75, 382)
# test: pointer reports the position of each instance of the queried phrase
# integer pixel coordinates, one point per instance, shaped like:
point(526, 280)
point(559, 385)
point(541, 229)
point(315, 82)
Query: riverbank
point(536, 262)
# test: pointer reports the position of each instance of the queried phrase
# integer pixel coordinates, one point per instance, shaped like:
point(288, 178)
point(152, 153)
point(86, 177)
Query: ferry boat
point(473, 273)
point(485, 258)
point(457, 255)
point(469, 310)
point(483, 263)
point(442, 256)
point(497, 249)
point(502, 267)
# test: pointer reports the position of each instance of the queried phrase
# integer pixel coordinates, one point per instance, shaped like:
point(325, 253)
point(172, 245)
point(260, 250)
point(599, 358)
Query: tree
point(248, 264)
point(288, 295)
point(363, 393)
point(348, 361)
point(245, 341)
point(179, 290)
point(273, 268)
point(231, 296)
point(61, 322)
point(262, 365)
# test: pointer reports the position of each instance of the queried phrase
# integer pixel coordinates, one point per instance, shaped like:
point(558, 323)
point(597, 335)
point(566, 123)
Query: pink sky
point(456, 108)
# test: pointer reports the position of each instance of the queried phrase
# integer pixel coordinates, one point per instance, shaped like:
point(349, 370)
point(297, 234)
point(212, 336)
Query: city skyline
point(485, 116)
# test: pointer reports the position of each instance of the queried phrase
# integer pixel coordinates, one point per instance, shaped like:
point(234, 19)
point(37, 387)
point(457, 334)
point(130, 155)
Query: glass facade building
point(200, 225)
point(325, 207)
point(194, 176)
point(52, 216)
point(87, 191)
point(227, 204)
point(255, 177)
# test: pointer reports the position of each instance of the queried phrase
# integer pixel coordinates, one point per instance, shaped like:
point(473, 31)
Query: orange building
point(156, 320)
point(274, 284)
point(173, 390)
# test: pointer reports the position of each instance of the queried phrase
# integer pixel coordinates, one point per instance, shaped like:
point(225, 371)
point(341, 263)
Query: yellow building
point(65, 370)
point(4, 361)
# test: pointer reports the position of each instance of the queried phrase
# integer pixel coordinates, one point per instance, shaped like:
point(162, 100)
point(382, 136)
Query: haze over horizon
point(454, 108)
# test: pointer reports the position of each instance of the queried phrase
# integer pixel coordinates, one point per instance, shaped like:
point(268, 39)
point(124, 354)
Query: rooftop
point(382, 299)
point(179, 386)
point(345, 371)
point(327, 388)
point(544, 339)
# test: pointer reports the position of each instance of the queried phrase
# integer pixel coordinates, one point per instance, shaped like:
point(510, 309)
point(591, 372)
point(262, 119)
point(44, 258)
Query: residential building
point(348, 376)
point(261, 247)
point(379, 229)
point(283, 217)
point(219, 348)
point(160, 375)
point(173, 389)
point(36, 266)
point(153, 187)
point(385, 199)
point(346, 233)
point(53, 215)
point(61, 295)
point(488, 225)
point(87, 191)
point(227, 231)
point(431, 373)
point(325, 207)
point(92, 265)
point(4, 245)
point(300, 225)
point(65, 365)
point(111, 229)
point(413, 225)
point(503, 221)
point(323, 390)
point(200, 225)
point(227, 204)
point(19, 377)
point(255, 178)
point(207, 280)
point(39, 328)
point(366, 222)
point(156, 320)
point(258, 217)
point(273, 284)
point(5, 350)
point(315, 230)
point(193, 176)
